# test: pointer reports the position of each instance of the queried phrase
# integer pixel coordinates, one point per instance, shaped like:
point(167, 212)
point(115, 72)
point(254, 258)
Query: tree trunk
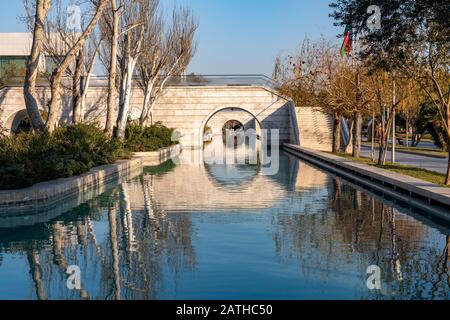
point(336, 133)
point(385, 133)
point(147, 99)
point(76, 89)
point(86, 82)
point(112, 215)
point(394, 103)
point(357, 117)
point(447, 179)
point(55, 102)
point(125, 97)
point(372, 138)
point(382, 153)
point(407, 131)
point(357, 134)
point(130, 58)
point(112, 91)
point(36, 274)
point(148, 109)
point(56, 87)
point(349, 146)
point(29, 88)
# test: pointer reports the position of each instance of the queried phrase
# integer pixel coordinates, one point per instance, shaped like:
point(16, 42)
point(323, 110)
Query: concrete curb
point(46, 193)
point(418, 193)
point(151, 159)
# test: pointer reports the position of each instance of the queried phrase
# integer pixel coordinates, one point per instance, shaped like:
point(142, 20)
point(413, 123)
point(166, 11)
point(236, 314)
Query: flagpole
point(357, 81)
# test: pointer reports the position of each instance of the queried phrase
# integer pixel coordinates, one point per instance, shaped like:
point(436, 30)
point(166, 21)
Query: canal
point(193, 230)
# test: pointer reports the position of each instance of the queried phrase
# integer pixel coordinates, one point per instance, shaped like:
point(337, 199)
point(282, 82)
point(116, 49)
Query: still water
point(198, 231)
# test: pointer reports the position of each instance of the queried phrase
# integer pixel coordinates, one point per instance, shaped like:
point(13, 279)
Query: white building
point(15, 48)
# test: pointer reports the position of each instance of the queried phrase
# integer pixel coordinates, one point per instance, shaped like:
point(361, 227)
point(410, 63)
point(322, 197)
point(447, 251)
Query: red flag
point(348, 41)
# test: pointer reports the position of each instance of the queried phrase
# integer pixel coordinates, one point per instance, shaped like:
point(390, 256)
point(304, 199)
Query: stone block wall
point(186, 109)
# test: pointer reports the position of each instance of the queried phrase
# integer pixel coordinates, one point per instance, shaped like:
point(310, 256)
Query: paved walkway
point(429, 163)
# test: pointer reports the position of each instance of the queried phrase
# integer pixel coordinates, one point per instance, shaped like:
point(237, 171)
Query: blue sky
point(234, 36)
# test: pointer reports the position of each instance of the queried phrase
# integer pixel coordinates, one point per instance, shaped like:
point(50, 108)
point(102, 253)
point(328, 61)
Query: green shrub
point(147, 139)
point(29, 158)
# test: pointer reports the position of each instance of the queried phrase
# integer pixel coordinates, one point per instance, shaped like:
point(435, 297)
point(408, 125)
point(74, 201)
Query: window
point(12, 66)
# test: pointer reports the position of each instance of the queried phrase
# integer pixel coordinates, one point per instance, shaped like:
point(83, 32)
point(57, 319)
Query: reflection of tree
point(357, 231)
point(58, 246)
point(131, 261)
point(36, 274)
point(114, 251)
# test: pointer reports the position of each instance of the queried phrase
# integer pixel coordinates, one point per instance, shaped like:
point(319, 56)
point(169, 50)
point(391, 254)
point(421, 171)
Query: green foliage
point(147, 139)
point(29, 158)
point(407, 26)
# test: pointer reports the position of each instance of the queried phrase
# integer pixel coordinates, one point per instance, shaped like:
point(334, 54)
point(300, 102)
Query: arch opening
point(20, 122)
point(232, 118)
point(229, 130)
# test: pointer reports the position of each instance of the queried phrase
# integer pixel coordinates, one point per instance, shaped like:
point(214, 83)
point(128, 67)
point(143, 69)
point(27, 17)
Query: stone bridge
point(190, 107)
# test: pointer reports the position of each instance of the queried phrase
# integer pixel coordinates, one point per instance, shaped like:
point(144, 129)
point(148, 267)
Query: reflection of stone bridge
point(191, 105)
point(198, 187)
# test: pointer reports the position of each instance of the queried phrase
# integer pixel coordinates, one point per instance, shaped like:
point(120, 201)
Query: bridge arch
point(226, 118)
point(14, 120)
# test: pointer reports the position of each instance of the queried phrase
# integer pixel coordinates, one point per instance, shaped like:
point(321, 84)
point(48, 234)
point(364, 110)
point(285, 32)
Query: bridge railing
point(244, 80)
point(222, 80)
point(206, 81)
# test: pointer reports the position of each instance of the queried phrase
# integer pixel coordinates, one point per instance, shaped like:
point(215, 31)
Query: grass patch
point(424, 151)
point(419, 173)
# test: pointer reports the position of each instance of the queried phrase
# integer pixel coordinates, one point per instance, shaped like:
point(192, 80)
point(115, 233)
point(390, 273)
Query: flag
point(347, 45)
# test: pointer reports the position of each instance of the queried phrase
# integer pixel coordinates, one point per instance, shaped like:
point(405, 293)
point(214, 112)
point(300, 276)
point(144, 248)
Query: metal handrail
point(210, 80)
point(185, 80)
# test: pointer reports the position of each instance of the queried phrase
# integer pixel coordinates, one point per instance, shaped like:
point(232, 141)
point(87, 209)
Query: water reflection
point(194, 231)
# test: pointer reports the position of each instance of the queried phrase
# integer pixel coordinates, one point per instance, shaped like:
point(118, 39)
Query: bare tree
point(382, 83)
point(317, 77)
point(134, 20)
point(165, 55)
point(42, 9)
point(111, 26)
point(76, 87)
point(429, 68)
point(59, 40)
point(92, 53)
point(66, 62)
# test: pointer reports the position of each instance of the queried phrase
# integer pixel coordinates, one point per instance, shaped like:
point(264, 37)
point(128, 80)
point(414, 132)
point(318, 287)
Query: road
point(429, 163)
